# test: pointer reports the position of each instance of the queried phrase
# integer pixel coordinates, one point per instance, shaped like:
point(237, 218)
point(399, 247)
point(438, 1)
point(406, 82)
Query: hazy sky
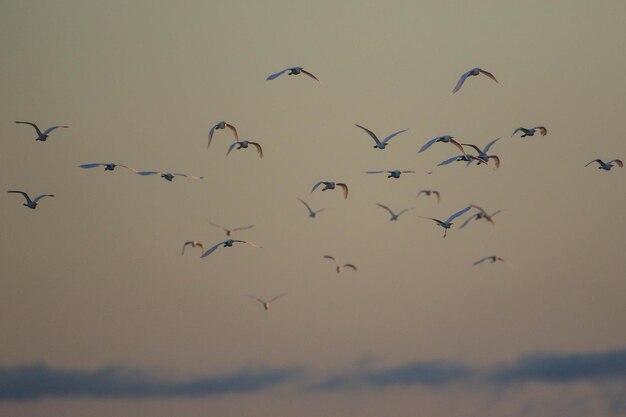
point(101, 315)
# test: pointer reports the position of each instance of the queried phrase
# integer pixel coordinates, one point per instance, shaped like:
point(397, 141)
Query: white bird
point(331, 185)
point(108, 166)
point(226, 244)
point(448, 223)
point(312, 213)
point(42, 136)
point(194, 244)
point(31, 203)
point(228, 231)
point(482, 214)
point(472, 72)
point(394, 216)
point(381, 144)
point(169, 176)
point(483, 156)
point(427, 193)
point(292, 71)
point(244, 144)
point(339, 267)
point(393, 173)
point(492, 259)
point(465, 157)
point(222, 125)
point(266, 304)
point(531, 131)
point(442, 139)
point(607, 165)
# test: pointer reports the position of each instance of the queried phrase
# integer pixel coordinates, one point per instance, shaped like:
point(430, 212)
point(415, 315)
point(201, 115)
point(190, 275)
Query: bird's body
point(394, 216)
point(381, 144)
point(607, 165)
point(222, 125)
point(428, 193)
point(291, 71)
point(267, 304)
point(229, 232)
point(448, 223)
point(226, 244)
point(193, 243)
point(32, 204)
point(442, 139)
point(470, 73)
point(43, 136)
point(244, 145)
point(338, 267)
point(392, 173)
point(312, 213)
point(331, 185)
point(483, 156)
point(530, 131)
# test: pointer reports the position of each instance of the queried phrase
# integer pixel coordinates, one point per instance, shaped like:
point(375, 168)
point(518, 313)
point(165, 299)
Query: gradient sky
point(101, 315)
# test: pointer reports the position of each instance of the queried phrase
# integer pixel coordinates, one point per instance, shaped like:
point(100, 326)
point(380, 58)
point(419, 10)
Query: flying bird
point(531, 131)
point(340, 268)
point(291, 71)
point(492, 259)
point(108, 166)
point(607, 165)
point(312, 213)
point(483, 156)
point(222, 125)
point(331, 185)
point(31, 203)
point(168, 175)
point(194, 244)
point(42, 136)
point(381, 144)
point(482, 214)
point(448, 223)
point(266, 304)
point(442, 139)
point(428, 193)
point(394, 216)
point(472, 72)
point(393, 173)
point(244, 144)
point(226, 244)
point(465, 157)
point(228, 231)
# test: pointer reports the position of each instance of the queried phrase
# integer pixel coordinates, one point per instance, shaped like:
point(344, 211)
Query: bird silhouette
point(482, 214)
point(226, 244)
point(312, 213)
point(31, 203)
point(291, 71)
point(428, 193)
point(607, 165)
point(331, 185)
point(222, 125)
point(267, 304)
point(244, 145)
point(483, 156)
point(492, 259)
point(194, 244)
point(169, 176)
point(442, 139)
point(108, 166)
point(228, 231)
point(381, 144)
point(394, 216)
point(531, 131)
point(43, 136)
point(392, 173)
point(339, 268)
point(448, 223)
point(472, 72)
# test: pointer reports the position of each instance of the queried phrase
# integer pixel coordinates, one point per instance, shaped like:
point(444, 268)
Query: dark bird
point(43, 136)
point(31, 203)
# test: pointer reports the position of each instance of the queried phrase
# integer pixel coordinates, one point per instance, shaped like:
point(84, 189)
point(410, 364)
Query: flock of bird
point(482, 156)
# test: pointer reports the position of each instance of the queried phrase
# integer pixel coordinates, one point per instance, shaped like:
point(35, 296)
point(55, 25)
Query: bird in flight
point(312, 213)
point(31, 203)
point(194, 244)
point(483, 156)
point(393, 173)
point(381, 144)
point(244, 144)
point(222, 125)
point(267, 304)
point(482, 214)
point(531, 131)
point(331, 185)
point(394, 216)
point(168, 175)
point(226, 244)
point(465, 157)
point(291, 71)
point(472, 72)
point(442, 139)
point(108, 166)
point(448, 223)
point(492, 259)
point(228, 231)
point(339, 267)
point(428, 193)
point(42, 136)
point(607, 165)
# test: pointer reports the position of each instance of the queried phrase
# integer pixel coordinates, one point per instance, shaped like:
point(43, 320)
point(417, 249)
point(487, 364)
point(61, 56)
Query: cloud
point(25, 383)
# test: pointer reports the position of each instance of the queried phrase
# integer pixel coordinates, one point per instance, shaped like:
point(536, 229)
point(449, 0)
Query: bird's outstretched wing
point(458, 213)
point(519, 129)
point(212, 249)
point(277, 74)
point(596, 160)
point(449, 160)
point(276, 298)
point(490, 144)
point(469, 219)
point(144, 173)
point(618, 162)
point(488, 74)
point(23, 193)
point(483, 260)
point(386, 208)
point(309, 74)
point(95, 164)
point(404, 211)
point(317, 185)
point(350, 266)
point(39, 197)
point(332, 258)
point(374, 172)
point(305, 204)
point(459, 84)
point(50, 129)
point(242, 228)
point(33, 125)
point(369, 132)
point(258, 148)
point(231, 147)
point(345, 189)
point(234, 130)
point(388, 138)
point(542, 130)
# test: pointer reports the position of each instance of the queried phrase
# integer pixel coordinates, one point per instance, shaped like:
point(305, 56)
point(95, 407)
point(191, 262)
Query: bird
point(381, 144)
point(43, 136)
point(394, 216)
point(226, 244)
point(393, 173)
point(168, 175)
point(448, 223)
point(266, 304)
point(482, 214)
point(472, 72)
point(228, 231)
point(222, 125)
point(193, 243)
point(465, 157)
point(108, 166)
point(531, 131)
point(292, 71)
point(442, 139)
point(31, 203)
point(331, 185)
point(492, 259)
point(607, 165)
point(483, 156)
point(312, 213)
point(340, 268)
point(244, 144)
point(427, 193)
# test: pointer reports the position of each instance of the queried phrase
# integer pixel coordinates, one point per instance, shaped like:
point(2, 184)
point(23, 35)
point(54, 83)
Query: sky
point(101, 315)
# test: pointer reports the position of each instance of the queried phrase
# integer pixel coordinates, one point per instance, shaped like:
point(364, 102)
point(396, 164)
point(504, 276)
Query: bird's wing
point(449, 160)
point(212, 249)
point(432, 218)
point(408, 171)
point(369, 132)
point(39, 197)
point(211, 132)
point(258, 299)
point(319, 210)
point(519, 129)
point(317, 185)
point(186, 244)
point(50, 129)
point(332, 258)
point(33, 125)
point(488, 74)
point(459, 84)
point(350, 266)
point(467, 221)
point(309, 74)
point(345, 189)
point(217, 225)
point(437, 194)
point(23, 193)
point(495, 158)
point(618, 162)
point(374, 172)
point(128, 168)
point(230, 148)
point(144, 173)
point(386, 208)
point(242, 228)
point(595, 160)
point(234, 130)
point(458, 213)
point(490, 144)
point(249, 243)
point(258, 148)
point(305, 204)
point(388, 138)
point(427, 144)
point(482, 260)
point(95, 164)
point(276, 298)
point(277, 74)
point(405, 210)
point(471, 146)
point(191, 177)
point(479, 208)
